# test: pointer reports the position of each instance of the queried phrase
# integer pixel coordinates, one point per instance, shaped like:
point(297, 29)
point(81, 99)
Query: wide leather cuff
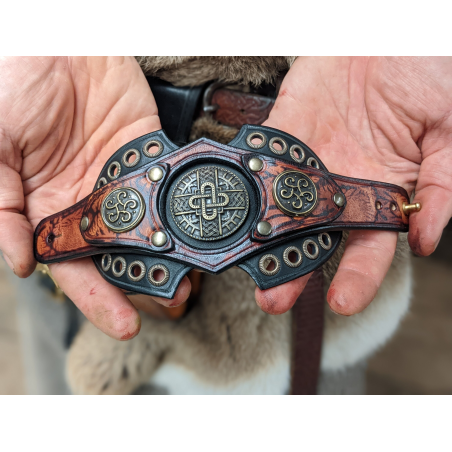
point(264, 202)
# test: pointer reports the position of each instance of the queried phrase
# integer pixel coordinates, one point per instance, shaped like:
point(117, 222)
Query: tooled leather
point(360, 211)
point(237, 108)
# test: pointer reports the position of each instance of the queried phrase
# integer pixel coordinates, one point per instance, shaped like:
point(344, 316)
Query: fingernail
point(9, 262)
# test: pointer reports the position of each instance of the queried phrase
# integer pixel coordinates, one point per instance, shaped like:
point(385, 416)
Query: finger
point(147, 303)
point(280, 299)
point(104, 305)
point(366, 260)
point(181, 295)
point(16, 233)
point(434, 192)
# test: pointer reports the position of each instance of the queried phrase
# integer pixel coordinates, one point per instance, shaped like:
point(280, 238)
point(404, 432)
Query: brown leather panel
point(324, 212)
point(237, 108)
point(58, 236)
point(360, 211)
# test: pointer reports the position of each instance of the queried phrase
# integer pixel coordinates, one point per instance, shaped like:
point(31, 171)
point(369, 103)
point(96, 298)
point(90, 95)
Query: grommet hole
point(136, 270)
point(118, 266)
point(158, 275)
point(313, 162)
point(50, 238)
point(378, 205)
point(393, 206)
point(130, 157)
point(278, 145)
point(101, 182)
point(311, 248)
point(256, 140)
point(269, 264)
point(153, 149)
point(114, 171)
point(293, 257)
point(297, 153)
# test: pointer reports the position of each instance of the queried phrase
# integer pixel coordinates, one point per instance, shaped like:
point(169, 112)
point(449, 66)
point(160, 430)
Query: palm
point(60, 120)
point(91, 107)
point(380, 119)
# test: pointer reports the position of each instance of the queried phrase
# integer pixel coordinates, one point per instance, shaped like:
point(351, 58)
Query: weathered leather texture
point(236, 108)
point(59, 237)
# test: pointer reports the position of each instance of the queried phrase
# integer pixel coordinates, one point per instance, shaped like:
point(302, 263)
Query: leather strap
point(307, 335)
point(237, 108)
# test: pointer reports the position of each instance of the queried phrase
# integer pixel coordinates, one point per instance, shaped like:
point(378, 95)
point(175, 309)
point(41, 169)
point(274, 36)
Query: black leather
point(177, 107)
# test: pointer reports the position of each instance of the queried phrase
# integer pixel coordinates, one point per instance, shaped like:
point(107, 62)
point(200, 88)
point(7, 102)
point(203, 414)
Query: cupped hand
point(60, 121)
point(384, 119)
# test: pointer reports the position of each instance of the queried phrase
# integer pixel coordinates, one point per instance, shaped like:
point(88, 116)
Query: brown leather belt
point(264, 202)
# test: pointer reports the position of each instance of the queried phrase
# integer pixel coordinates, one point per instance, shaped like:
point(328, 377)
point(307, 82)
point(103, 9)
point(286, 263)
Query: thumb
point(16, 233)
point(434, 192)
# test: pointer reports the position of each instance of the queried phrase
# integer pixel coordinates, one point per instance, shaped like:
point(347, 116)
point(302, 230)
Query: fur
point(192, 71)
point(226, 344)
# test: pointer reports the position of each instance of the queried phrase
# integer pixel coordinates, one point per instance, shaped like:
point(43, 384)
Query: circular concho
point(122, 209)
point(294, 193)
point(209, 203)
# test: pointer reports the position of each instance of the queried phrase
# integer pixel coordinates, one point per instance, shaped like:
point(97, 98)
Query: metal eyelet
point(102, 182)
point(325, 245)
point(110, 170)
point(166, 275)
point(283, 144)
point(309, 255)
point(123, 266)
point(295, 148)
point(126, 156)
point(313, 162)
point(106, 266)
point(130, 274)
point(151, 143)
point(287, 261)
point(251, 137)
point(263, 261)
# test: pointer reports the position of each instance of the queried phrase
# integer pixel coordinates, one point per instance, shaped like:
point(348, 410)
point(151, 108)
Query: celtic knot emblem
point(209, 203)
point(294, 193)
point(122, 209)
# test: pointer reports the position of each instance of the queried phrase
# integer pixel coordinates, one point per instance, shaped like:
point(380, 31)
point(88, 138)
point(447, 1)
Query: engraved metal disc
point(122, 209)
point(294, 193)
point(209, 203)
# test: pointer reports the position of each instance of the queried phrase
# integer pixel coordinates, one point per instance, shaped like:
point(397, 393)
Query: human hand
point(60, 121)
point(383, 119)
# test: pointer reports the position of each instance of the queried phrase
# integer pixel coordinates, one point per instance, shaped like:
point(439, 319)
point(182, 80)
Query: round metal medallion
point(294, 193)
point(122, 209)
point(209, 203)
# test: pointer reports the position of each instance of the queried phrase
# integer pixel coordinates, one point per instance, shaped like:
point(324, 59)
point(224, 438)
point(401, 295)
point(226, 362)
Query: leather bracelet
point(264, 202)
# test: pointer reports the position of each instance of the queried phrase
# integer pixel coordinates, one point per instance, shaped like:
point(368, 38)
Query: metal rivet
point(155, 174)
point(158, 238)
point(84, 223)
point(264, 228)
point(410, 208)
point(339, 199)
point(255, 164)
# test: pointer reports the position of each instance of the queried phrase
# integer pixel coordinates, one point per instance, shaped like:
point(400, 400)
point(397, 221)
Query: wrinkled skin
point(385, 119)
point(60, 120)
point(380, 119)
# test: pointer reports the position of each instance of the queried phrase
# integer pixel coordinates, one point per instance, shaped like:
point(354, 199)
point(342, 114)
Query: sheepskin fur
point(226, 344)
